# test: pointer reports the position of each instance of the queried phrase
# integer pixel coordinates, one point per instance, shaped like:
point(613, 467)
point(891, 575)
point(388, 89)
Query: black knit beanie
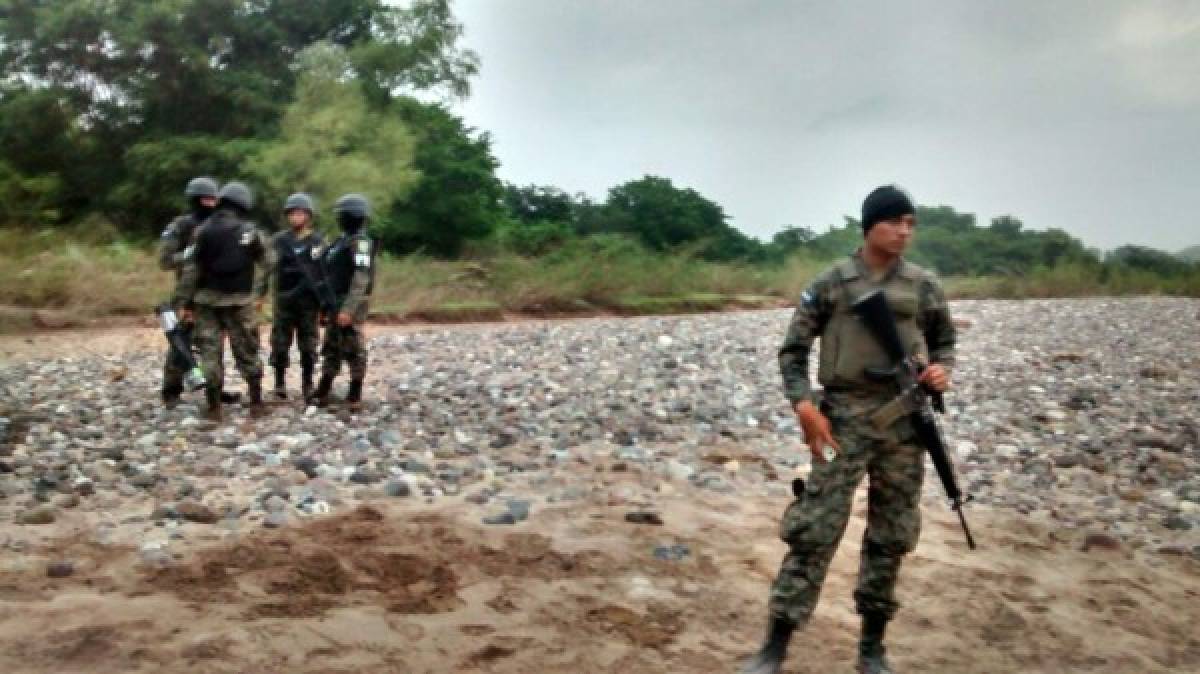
point(885, 203)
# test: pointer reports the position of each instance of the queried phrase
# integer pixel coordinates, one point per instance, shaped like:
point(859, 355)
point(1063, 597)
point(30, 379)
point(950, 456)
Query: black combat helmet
point(200, 187)
point(354, 205)
point(237, 194)
point(301, 201)
point(351, 210)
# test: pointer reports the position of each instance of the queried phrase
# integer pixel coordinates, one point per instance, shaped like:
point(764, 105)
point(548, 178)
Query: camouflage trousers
point(174, 368)
point(813, 524)
point(347, 345)
point(240, 322)
point(290, 319)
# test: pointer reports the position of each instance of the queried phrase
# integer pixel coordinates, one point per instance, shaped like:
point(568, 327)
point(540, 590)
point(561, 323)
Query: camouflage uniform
point(224, 302)
point(295, 306)
point(348, 265)
point(171, 250)
point(814, 523)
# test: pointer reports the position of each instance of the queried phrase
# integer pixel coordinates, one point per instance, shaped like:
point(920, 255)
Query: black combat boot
point(354, 393)
point(254, 387)
point(280, 384)
point(769, 658)
point(872, 656)
point(320, 397)
point(170, 397)
point(213, 397)
point(306, 379)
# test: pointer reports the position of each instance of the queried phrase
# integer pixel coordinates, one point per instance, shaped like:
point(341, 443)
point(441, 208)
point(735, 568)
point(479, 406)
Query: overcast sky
point(1078, 115)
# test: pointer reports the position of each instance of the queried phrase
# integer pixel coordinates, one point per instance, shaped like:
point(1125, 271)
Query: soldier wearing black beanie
point(885, 203)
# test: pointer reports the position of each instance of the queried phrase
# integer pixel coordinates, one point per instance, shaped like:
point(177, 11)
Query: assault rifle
point(319, 286)
point(914, 400)
point(181, 345)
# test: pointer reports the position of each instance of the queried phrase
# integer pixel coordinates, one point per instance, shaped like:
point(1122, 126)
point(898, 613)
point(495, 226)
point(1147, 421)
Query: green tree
point(134, 76)
point(332, 142)
point(536, 203)
point(458, 197)
point(664, 217)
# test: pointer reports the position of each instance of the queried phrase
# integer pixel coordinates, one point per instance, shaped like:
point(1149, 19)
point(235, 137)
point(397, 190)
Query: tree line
point(108, 108)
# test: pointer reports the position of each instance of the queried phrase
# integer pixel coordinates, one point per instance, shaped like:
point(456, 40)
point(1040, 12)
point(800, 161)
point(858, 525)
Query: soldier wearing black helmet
point(220, 289)
point(348, 265)
point(295, 305)
point(201, 194)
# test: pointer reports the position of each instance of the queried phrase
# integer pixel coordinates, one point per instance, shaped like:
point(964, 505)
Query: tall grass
point(90, 272)
point(60, 271)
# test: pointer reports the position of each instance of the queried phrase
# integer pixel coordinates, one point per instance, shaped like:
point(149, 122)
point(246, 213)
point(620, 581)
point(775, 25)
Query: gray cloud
point(1081, 116)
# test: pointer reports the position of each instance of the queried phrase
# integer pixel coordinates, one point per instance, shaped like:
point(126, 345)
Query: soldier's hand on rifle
point(258, 305)
point(186, 315)
point(344, 319)
point(935, 377)
point(818, 432)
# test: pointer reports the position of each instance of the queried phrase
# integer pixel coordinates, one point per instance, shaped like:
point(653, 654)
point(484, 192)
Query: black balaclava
point(350, 224)
point(199, 210)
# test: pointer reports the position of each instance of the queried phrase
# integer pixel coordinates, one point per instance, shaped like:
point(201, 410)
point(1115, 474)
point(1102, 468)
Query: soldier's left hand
point(344, 319)
point(935, 377)
point(258, 305)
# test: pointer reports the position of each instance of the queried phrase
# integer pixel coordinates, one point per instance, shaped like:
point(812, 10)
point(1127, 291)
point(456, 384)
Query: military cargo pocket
point(798, 517)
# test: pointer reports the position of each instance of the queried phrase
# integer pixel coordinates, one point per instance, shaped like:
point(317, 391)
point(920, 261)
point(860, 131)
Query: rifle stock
point(874, 312)
point(194, 379)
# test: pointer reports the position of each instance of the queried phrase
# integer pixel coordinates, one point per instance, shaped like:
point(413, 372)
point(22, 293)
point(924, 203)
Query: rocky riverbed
point(1076, 418)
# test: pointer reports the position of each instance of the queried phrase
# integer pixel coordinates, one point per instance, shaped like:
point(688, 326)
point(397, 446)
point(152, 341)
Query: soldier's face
point(208, 202)
point(892, 236)
point(297, 218)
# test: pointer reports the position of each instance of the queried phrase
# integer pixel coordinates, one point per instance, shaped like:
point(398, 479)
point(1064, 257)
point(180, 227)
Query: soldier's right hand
point(818, 432)
point(187, 315)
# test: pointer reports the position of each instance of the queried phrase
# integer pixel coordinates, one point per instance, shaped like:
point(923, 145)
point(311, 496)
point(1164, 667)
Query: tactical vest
point(847, 347)
point(340, 263)
point(292, 253)
point(225, 252)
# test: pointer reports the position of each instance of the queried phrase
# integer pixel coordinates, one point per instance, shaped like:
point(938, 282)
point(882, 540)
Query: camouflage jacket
point(847, 349)
point(173, 243)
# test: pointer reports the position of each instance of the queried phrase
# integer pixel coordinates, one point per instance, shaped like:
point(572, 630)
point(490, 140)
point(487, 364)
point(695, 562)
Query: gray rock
point(519, 509)
point(275, 520)
point(1177, 523)
point(505, 517)
point(397, 489)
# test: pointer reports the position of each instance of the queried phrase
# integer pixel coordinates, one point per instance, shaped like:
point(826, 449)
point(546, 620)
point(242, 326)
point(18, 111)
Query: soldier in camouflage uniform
point(295, 306)
point(814, 522)
point(201, 194)
point(348, 266)
point(220, 287)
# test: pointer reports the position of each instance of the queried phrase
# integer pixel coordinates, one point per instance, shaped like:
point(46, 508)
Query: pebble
point(60, 569)
point(43, 514)
point(193, 511)
point(1053, 410)
point(644, 517)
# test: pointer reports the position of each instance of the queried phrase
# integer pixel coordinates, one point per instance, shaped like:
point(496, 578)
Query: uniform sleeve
point(808, 322)
point(356, 297)
point(185, 288)
point(267, 261)
point(169, 247)
point(940, 334)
